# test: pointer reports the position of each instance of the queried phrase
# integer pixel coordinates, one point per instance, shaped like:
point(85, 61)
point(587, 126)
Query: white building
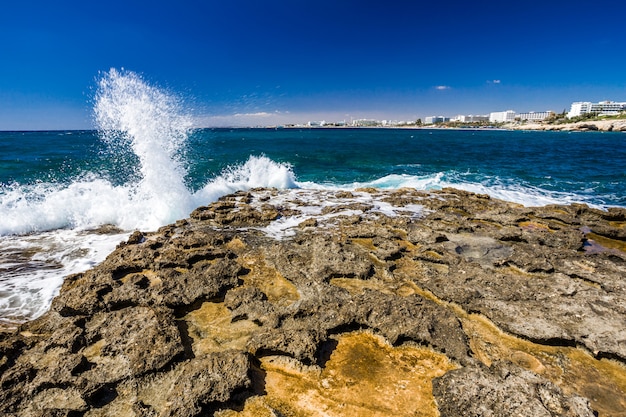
point(535, 116)
point(365, 122)
point(606, 108)
point(502, 116)
point(471, 118)
point(429, 120)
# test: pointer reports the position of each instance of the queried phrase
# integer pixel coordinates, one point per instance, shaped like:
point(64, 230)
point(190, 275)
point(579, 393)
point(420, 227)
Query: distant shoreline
point(589, 125)
point(592, 126)
point(411, 127)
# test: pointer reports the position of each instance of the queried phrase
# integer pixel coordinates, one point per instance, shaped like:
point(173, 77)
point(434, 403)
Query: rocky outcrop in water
point(369, 303)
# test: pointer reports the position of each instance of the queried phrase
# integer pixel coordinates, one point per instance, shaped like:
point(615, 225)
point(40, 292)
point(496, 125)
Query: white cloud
point(258, 114)
point(493, 81)
point(261, 118)
point(442, 87)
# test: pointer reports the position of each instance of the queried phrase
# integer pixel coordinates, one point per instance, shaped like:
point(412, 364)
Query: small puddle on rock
point(596, 243)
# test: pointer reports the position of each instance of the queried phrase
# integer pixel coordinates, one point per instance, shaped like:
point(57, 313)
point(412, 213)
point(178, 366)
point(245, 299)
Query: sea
point(67, 198)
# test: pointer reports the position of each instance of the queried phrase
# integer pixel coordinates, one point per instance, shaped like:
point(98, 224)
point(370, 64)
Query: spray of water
point(152, 124)
point(127, 109)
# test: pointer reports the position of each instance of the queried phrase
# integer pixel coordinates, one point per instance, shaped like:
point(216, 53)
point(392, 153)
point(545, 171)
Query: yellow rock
point(365, 376)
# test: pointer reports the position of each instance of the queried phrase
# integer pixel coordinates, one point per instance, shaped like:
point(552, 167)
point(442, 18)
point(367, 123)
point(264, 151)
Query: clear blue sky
point(252, 61)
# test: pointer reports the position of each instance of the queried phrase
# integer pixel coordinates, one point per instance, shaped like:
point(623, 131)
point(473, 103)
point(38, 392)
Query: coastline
point(618, 125)
point(583, 126)
point(264, 298)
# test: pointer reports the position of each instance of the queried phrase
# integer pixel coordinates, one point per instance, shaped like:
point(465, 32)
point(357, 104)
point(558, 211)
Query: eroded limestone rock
point(362, 303)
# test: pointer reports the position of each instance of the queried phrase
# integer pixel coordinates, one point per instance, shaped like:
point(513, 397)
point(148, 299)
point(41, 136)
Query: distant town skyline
point(602, 108)
point(246, 63)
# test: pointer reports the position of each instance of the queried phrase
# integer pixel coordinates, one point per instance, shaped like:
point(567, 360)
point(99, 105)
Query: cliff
point(368, 303)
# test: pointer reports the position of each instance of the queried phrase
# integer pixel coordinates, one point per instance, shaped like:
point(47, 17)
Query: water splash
point(131, 114)
point(256, 172)
point(128, 109)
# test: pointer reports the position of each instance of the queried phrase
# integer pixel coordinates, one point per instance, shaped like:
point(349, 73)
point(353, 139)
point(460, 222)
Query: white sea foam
point(43, 207)
point(128, 109)
point(256, 172)
point(32, 267)
point(130, 112)
point(530, 196)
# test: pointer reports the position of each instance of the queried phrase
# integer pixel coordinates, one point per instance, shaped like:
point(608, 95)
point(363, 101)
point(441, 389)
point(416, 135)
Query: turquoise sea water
point(530, 167)
point(526, 166)
point(145, 167)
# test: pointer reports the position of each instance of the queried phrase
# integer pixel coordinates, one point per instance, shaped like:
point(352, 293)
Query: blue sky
point(263, 62)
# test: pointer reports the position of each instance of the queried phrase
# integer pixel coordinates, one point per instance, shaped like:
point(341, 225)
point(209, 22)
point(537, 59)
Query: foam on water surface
point(32, 267)
point(515, 192)
point(325, 205)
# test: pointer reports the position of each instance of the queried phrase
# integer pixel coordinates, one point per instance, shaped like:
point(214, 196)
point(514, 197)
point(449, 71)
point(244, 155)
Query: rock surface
point(611, 125)
point(369, 303)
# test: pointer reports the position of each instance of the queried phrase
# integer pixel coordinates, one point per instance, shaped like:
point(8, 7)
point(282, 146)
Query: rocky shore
point(585, 126)
point(315, 303)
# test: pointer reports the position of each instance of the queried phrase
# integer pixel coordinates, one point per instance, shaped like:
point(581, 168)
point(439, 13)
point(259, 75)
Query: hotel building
point(602, 108)
point(470, 118)
point(429, 120)
point(502, 116)
point(534, 116)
